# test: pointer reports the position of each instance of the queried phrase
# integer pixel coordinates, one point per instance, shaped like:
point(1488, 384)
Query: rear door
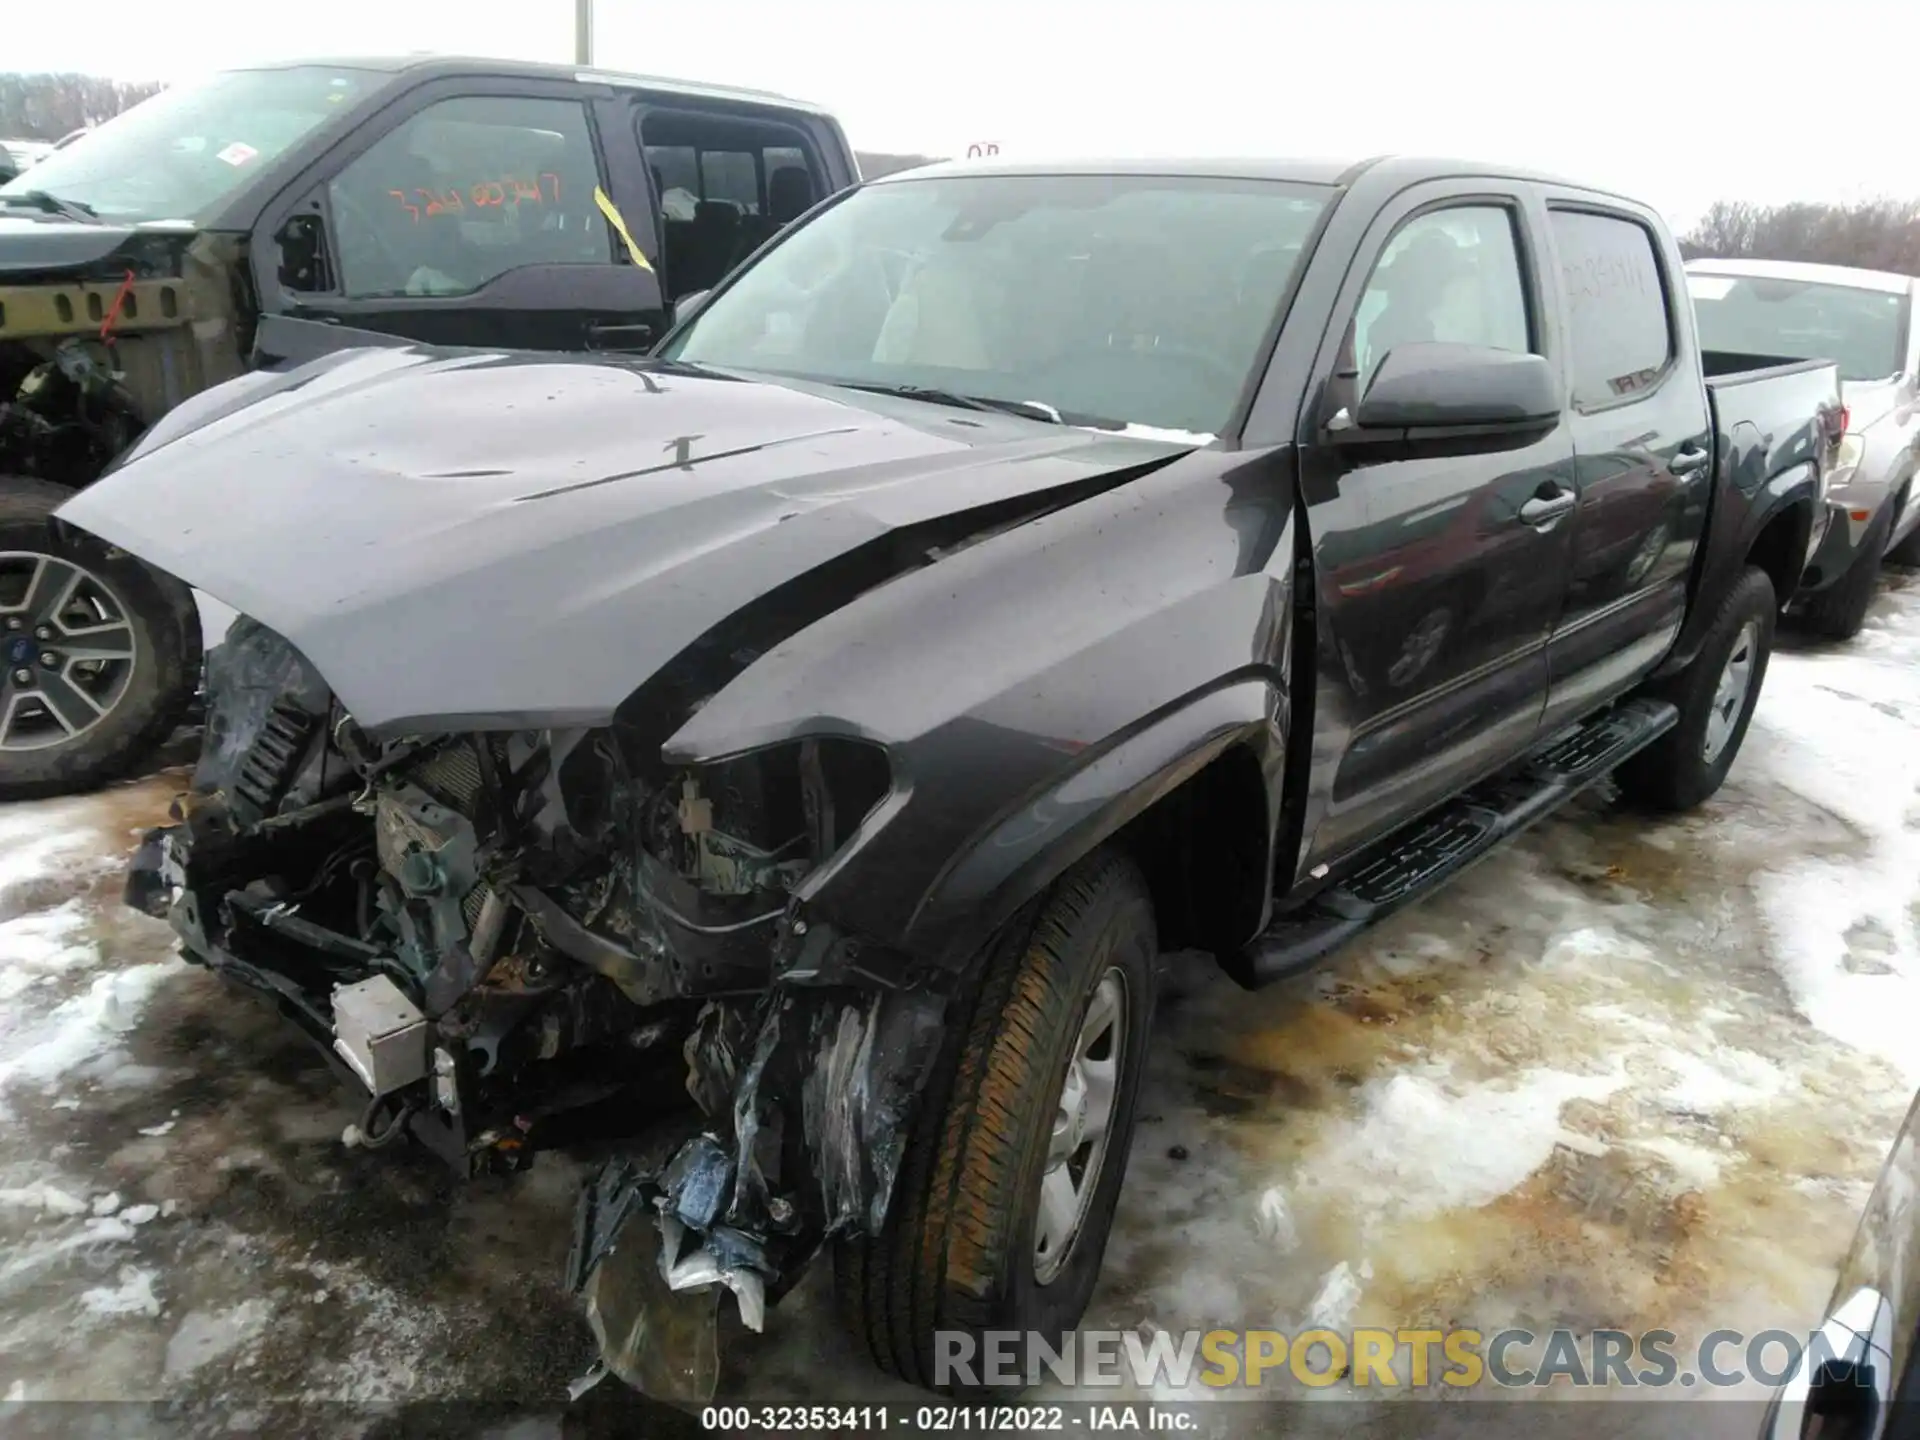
point(1643, 447)
point(466, 213)
point(1436, 596)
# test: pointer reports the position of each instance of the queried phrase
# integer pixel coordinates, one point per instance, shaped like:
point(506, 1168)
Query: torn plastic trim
point(804, 1142)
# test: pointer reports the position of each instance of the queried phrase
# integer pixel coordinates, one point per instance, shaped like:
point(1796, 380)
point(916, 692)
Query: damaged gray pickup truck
point(814, 733)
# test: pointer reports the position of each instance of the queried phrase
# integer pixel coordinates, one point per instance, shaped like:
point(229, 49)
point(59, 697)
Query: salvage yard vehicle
point(454, 201)
point(1012, 574)
point(1766, 310)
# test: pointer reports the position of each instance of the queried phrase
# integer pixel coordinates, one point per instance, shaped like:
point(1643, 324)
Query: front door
point(471, 218)
point(1436, 593)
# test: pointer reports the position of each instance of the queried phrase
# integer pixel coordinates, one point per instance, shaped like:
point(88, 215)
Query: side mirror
point(1424, 386)
point(688, 305)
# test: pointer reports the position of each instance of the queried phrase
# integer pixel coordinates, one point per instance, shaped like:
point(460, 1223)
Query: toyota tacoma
point(811, 734)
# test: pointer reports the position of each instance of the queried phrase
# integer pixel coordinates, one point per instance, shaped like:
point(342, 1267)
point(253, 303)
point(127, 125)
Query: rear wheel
point(101, 654)
point(1715, 695)
point(1008, 1187)
point(1839, 611)
point(1907, 552)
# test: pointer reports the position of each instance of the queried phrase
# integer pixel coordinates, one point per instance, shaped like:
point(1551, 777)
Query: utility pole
point(583, 32)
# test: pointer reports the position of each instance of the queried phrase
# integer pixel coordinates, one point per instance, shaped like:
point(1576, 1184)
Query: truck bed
point(1795, 405)
point(1738, 367)
point(1776, 422)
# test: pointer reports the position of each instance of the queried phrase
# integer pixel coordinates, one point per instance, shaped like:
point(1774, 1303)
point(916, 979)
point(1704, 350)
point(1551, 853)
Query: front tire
point(991, 1225)
point(1716, 695)
point(101, 653)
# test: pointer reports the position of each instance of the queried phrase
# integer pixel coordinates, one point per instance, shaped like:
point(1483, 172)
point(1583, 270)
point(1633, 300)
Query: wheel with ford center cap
point(1007, 1190)
point(1715, 695)
point(102, 654)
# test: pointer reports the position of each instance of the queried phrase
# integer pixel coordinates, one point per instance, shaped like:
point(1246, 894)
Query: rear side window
point(1617, 305)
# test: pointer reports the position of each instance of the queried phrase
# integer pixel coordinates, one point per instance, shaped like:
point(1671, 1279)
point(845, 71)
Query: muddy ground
point(1626, 1074)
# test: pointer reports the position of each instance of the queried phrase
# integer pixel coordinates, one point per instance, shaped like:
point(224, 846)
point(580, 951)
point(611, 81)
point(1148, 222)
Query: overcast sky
point(1679, 102)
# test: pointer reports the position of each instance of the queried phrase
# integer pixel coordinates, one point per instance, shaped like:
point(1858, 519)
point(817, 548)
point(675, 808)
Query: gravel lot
point(1621, 1075)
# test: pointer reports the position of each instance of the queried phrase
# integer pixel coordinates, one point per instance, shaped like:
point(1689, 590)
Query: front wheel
point(1011, 1175)
point(101, 654)
point(1715, 695)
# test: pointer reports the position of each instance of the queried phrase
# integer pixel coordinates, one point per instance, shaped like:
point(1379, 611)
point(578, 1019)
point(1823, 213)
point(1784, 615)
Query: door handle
point(1686, 461)
point(1545, 509)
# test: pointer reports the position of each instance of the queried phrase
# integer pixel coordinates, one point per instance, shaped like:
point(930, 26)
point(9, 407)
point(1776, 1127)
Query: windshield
point(1115, 299)
point(177, 155)
point(1864, 330)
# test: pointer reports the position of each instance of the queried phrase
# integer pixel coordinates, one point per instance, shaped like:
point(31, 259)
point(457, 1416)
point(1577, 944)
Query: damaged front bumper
point(512, 942)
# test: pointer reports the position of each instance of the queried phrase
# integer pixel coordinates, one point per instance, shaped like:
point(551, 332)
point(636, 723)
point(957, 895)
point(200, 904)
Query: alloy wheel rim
point(68, 646)
point(1730, 693)
point(1422, 645)
point(1082, 1125)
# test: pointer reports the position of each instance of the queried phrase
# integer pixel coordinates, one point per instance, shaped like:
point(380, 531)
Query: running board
point(1441, 844)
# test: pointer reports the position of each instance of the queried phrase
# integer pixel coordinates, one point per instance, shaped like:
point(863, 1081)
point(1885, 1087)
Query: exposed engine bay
point(107, 333)
point(69, 415)
point(518, 940)
point(569, 782)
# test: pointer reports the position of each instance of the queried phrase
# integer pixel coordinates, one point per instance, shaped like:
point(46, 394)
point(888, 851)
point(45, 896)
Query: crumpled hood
point(36, 246)
point(480, 540)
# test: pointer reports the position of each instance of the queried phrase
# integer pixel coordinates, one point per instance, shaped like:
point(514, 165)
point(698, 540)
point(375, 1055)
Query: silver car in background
point(1865, 319)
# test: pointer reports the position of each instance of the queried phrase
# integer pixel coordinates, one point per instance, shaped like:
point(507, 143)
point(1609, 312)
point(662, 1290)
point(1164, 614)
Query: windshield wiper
point(1031, 409)
point(52, 205)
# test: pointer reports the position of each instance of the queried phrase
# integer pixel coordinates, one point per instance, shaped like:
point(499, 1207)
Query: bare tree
point(874, 163)
point(1869, 234)
point(47, 106)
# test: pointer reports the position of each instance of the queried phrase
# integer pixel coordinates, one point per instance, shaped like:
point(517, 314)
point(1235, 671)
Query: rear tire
point(1839, 611)
point(1688, 763)
point(1907, 552)
point(963, 1247)
point(160, 616)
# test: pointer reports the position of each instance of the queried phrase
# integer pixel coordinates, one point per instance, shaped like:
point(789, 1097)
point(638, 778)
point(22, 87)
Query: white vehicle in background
point(1865, 319)
point(19, 155)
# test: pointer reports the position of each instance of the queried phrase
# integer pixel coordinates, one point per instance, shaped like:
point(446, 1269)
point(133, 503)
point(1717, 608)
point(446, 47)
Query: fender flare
point(1729, 542)
point(1003, 869)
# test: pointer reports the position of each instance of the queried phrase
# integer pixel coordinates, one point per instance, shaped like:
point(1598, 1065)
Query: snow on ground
point(1627, 1074)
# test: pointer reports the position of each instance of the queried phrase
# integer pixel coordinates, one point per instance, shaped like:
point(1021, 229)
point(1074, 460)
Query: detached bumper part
point(804, 1145)
point(664, 1345)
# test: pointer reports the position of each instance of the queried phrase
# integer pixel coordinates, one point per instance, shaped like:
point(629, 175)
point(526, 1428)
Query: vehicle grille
point(274, 756)
point(451, 775)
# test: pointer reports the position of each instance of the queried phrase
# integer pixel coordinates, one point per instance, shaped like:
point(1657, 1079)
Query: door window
point(466, 190)
point(1450, 276)
point(1616, 305)
point(725, 186)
